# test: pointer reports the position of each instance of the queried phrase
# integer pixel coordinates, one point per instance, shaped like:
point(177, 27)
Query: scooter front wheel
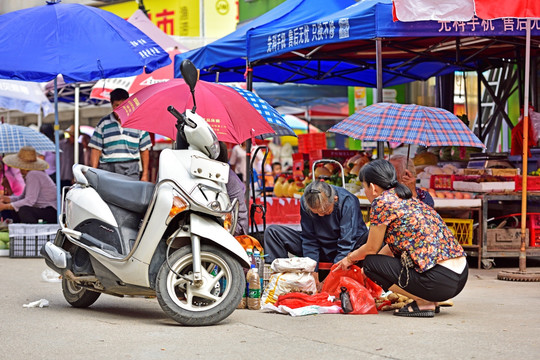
point(77, 296)
point(206, 303)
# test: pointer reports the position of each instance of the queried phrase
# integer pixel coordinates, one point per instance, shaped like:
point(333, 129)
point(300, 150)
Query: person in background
point(38, 200)
point(67, 157)
point(236, 190)
point(11, 180)
point(406, 174)
point(237, 160)
point(49, 156)
point(421, 259)
point(332, 226)
point(119, 149)
point(276, 169)
point(84, 140)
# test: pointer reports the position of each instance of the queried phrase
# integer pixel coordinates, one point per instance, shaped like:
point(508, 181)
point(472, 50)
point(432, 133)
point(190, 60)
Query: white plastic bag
point(286, 282)
point(303, 311)
point(41, 303)
point(296, 264)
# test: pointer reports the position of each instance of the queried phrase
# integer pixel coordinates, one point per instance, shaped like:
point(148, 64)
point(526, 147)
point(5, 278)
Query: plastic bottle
point(249, 252)
point(346, 304)
point(259, 264)
point(243, 302)
point(254, 288)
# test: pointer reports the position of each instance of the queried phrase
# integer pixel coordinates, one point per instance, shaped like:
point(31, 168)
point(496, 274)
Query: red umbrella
point(230, 115)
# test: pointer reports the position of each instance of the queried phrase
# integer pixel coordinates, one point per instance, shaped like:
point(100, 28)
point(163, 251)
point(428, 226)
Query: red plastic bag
point(361, 299)
point(297, 300)
point(331, 283)
point(362, 290)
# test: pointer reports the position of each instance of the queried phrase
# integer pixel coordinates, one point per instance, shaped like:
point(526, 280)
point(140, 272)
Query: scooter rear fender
point(211, 230)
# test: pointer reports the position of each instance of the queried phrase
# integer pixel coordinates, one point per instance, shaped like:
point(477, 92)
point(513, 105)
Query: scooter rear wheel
point(216, 298)
point(78, 296)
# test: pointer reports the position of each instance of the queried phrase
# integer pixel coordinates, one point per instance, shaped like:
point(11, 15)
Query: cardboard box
point(505, 239)
point(484, 186)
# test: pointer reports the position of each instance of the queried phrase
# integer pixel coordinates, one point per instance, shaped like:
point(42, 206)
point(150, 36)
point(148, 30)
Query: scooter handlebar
point(182, 118)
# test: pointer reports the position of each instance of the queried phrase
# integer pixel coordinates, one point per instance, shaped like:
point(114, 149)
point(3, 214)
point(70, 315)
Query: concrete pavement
point(491, 319)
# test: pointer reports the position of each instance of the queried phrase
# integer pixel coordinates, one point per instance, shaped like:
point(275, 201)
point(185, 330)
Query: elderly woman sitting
point(38, 200)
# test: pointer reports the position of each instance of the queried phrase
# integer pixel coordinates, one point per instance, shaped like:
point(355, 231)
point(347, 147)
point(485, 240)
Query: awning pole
point(76, 125)
point(522, 253)
point(378, 62)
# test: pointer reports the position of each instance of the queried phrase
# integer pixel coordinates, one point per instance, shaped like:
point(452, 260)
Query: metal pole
point(522, 253)
point(249, 87)
point(76, 125)
point(479, 116)
point(201, 19)
point(378, 63)
point(57, 152)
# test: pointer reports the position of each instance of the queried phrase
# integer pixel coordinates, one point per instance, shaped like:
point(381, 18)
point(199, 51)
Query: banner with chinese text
point(173, 17)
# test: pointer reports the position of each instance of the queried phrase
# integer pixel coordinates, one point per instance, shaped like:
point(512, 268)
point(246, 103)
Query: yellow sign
point(173, 17)
point(360, 99)
point(220, 17)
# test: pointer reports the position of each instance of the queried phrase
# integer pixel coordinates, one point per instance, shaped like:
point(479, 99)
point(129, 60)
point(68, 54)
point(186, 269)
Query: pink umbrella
point(230, 115)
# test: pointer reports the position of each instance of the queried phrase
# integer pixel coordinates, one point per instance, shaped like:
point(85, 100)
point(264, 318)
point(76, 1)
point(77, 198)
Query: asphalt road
point(491, 319)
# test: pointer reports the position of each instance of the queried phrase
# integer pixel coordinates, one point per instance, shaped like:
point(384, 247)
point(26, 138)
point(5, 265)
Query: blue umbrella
point(276, 121)
point(80, 42)
point(27, 97)
point(13, 137)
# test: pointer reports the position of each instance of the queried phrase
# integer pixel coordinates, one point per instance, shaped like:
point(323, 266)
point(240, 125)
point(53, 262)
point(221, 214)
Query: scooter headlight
point(213, 149)
point(179, 205)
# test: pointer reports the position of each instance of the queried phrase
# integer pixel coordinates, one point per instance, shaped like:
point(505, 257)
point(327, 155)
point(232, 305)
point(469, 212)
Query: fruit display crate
point(533, 183)
point(26, 240)
point(462, 230)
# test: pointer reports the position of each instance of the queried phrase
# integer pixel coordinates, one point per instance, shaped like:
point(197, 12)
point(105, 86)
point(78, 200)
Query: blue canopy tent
point(341, 48)
point(217, 59)
point(301, 94)
point(362, 46)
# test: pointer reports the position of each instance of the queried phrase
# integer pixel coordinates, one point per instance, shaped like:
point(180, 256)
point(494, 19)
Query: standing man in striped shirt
point(119, 149)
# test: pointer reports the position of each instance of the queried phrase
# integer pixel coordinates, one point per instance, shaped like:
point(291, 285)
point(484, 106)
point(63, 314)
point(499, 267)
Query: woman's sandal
point(412, 310)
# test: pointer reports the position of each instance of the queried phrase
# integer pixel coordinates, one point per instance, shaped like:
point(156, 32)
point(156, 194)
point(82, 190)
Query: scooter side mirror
point(189, 73)
point(191, 76)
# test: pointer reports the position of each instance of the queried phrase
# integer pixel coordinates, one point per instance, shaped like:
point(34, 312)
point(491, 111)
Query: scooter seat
point(121, 190)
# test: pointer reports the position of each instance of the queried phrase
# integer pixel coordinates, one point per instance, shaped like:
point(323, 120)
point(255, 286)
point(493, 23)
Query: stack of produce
point(287, 185)
point(391, 302)
point(4, 239)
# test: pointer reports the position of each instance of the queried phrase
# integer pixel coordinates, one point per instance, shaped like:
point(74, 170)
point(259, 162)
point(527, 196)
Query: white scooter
point(172, 239)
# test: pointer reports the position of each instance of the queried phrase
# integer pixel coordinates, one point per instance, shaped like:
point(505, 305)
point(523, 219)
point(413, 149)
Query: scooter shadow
point(113, 314)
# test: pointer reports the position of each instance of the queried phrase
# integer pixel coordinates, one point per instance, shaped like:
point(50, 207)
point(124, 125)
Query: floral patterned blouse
point(414, 227)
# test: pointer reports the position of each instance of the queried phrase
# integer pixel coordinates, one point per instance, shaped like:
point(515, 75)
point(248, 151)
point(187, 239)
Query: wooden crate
point(505, 239)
